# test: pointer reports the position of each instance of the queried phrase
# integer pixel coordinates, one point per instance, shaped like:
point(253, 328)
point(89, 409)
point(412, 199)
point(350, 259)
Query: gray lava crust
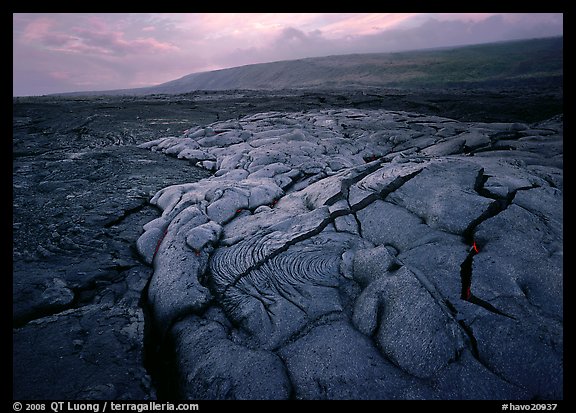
point(361, 254)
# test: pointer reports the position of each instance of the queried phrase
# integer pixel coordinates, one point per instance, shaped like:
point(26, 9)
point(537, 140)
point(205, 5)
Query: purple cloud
point(115, 43)
point(96, 38)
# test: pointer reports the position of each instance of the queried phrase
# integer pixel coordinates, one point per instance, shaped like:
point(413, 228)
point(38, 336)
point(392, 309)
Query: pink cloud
point(365, 23)
point(248, 25)
point(37, 29)
point(94, 37)
point(59, 75)
point(115, 43)
point(471, 17)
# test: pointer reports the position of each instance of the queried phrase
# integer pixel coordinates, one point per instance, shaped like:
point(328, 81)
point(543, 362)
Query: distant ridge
point(485, 65)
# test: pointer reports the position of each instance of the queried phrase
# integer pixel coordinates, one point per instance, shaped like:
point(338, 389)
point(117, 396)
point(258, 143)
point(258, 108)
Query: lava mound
point(361, 254)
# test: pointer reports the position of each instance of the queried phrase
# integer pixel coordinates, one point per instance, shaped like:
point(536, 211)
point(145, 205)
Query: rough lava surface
point(361, 254)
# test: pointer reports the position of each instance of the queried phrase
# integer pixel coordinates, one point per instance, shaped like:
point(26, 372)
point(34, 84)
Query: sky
point(67, 52)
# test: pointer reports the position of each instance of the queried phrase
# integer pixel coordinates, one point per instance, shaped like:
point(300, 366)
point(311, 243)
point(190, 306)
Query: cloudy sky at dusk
point(76, 52)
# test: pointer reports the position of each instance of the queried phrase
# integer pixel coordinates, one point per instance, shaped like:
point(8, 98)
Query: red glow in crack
point(468, 293)
point(159, 243)
point(475, 248)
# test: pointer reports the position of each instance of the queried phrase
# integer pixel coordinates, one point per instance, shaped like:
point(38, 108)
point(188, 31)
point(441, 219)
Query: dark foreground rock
point(323, 254)
point(80, 200)
point(356, 254)
point(77, 280)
